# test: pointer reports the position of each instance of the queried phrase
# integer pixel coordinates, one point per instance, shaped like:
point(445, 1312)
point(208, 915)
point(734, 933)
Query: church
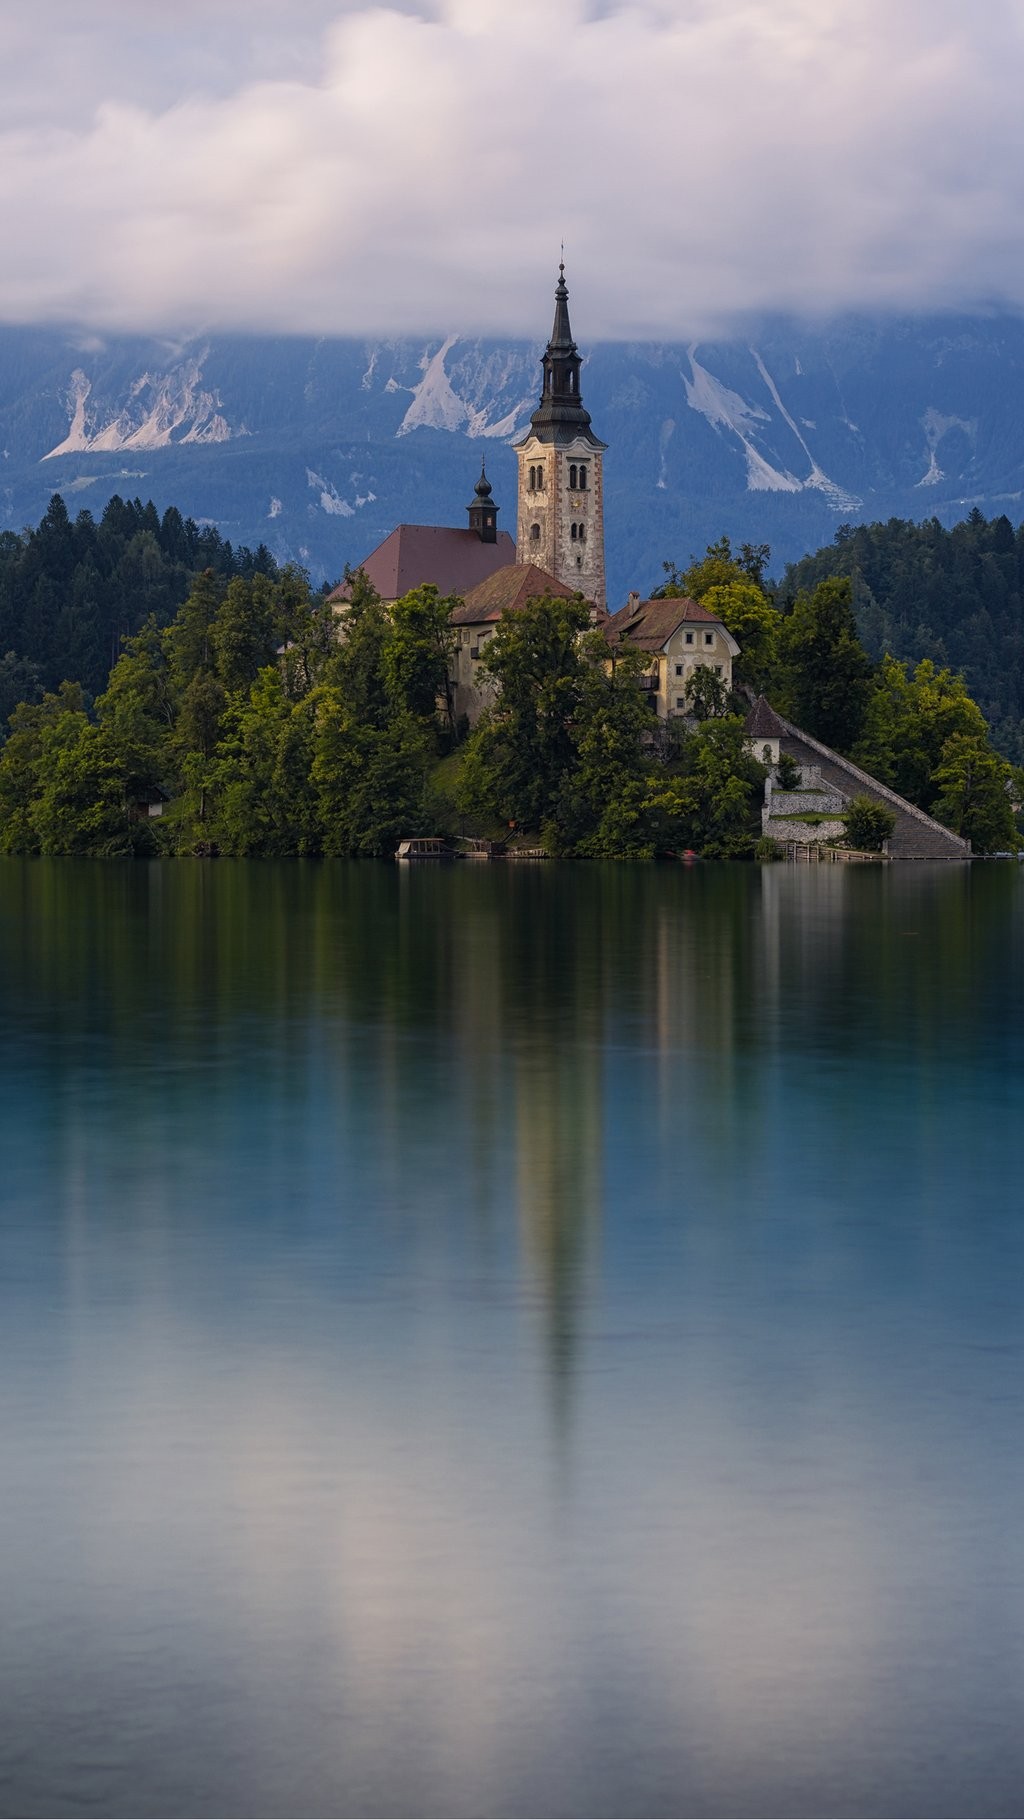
point(558, 549)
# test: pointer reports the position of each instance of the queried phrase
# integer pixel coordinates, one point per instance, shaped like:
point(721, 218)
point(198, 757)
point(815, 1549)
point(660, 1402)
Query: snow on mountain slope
point(437, 406)
point(158, 406)
point(321, 446)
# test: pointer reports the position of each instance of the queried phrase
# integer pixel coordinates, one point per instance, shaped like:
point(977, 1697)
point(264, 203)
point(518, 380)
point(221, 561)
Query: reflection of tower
point(558, 1086)
point(559, 1163)
point(561, 499)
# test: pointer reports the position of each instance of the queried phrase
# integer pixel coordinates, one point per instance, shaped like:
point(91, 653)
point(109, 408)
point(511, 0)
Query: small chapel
point(558, 549)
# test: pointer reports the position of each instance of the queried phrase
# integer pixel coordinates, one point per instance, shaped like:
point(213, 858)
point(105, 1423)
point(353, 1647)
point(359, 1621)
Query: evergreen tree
point(974, 796)
point(825, 674)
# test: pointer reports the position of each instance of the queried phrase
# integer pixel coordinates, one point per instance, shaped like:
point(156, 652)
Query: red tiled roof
point(508, 588)
point(651, 623)
point(413, 555)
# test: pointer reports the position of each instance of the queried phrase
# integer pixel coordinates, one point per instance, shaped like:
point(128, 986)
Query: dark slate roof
point(506, 590)
point(560, 417)
point(763, 723)
point(651, 623)
point(413, 555)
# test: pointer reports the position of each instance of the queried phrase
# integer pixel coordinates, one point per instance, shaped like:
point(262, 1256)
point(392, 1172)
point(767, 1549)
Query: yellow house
point(680, 637)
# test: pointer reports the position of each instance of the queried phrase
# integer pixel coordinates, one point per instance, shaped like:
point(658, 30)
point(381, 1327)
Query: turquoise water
point(511, 1341)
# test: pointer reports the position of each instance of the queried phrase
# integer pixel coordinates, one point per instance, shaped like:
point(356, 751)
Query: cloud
point(414, 168)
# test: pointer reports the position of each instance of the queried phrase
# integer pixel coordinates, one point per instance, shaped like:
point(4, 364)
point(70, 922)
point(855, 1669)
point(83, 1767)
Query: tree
point(19, 681)
point(868, 824)
point(523, 748)
point(242, 635)
point(36, 731)
point(368, 780)
point(825, 674)
point(260, 777)
point(787, 772)
point(975, 795)
point(418, 652)
point(707, 693)
point(907, 723)
point(755, 622)
point(716, 789)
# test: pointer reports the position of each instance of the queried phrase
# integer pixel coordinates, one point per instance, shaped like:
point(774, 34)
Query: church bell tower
point(561, 500)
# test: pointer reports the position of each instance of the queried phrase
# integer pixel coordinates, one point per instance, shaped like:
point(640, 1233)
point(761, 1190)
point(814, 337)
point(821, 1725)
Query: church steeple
point(561, 486)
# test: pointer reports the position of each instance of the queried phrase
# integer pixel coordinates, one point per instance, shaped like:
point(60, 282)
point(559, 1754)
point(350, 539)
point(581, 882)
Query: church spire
point(561, 333)
point(560, 415)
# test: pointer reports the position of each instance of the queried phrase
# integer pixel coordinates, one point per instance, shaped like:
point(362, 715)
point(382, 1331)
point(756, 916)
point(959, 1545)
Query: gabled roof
point(506, 590)
point(651, 623)
point(413, 555)
point(763, 723)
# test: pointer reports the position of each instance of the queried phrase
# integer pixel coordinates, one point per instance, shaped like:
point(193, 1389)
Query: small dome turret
point(483, 513)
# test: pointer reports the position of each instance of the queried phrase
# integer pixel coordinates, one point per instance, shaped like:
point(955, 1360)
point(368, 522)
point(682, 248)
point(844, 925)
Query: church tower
point(561, 502)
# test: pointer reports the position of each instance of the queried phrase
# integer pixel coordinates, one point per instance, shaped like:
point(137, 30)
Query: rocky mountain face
point(318, 448)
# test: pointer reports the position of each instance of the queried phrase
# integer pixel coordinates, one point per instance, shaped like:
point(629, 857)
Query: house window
point(535, 533)
point(688, 637)
point(709, 638)
point(718, 669)
point(679, 669)
point(680, 701)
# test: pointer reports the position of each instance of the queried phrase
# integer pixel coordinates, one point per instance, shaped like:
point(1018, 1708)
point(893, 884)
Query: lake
point(511, 1340)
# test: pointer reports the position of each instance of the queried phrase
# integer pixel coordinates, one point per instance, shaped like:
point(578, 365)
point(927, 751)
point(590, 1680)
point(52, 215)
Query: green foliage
point(707, 694)
point(755, 623)
point(868, 824)
point(418, 652)
point(38, 733)
point(824, 675)
point(975, 794)
point(70, 591)
point(523, 749)
point(717, 789)
point(908, 722)
point(369, 781)
point(787, 772)
point(718, 568)
point(767, 850)
point(953, 597)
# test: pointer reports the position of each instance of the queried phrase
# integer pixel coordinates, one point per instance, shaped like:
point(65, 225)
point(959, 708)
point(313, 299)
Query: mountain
point(318, 448)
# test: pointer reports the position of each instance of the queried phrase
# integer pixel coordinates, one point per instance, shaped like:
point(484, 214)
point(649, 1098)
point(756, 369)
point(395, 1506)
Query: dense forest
point(955, 597)
point(71, 590)
point(242, 717)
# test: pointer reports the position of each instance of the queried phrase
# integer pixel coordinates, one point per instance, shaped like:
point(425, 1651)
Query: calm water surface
point(482, 1341)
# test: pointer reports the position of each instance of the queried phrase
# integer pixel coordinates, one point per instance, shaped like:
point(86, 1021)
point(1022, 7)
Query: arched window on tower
point(535, 533)
point(583, 477)
point(582, 532)
point(572, 478)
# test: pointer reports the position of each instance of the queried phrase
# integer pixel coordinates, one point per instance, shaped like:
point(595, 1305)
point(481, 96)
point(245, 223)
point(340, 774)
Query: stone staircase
point(915, 836)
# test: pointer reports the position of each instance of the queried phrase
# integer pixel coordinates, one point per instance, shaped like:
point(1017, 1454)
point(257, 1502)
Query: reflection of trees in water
point(506, 1007)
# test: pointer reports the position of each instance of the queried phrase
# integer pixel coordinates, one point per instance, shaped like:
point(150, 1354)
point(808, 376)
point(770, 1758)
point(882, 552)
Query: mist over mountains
point(317, 448)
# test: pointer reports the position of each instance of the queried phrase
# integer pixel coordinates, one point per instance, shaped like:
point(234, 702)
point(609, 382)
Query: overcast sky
point(339, 166)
